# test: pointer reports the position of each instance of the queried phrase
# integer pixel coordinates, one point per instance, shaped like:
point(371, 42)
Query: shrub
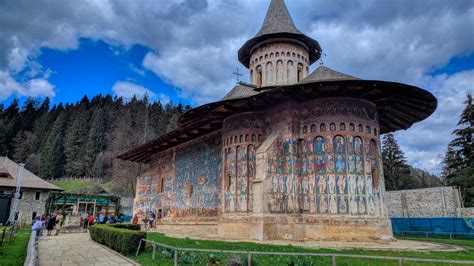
point(119, 239)
point(126, 226)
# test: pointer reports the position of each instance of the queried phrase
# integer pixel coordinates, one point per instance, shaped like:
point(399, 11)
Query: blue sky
point(186, 51)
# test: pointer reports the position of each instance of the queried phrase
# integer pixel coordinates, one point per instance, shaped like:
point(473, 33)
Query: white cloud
point(128, 89)
point(39, 87)
point(195, 45)
point(425, 142)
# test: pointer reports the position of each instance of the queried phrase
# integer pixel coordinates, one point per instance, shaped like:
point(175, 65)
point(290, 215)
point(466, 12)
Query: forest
point(83, 138)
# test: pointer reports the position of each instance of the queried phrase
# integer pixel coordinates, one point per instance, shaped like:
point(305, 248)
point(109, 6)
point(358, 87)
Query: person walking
point(51, 223)
point(152, 219)
point(37, 226)
point(58, 223)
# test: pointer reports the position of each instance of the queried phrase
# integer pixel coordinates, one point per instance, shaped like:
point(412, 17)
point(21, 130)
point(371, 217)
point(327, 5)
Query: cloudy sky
point(186, 50)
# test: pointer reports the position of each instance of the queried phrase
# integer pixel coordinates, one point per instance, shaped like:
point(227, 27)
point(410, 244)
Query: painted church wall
point(329, 165)
point(241, 137)
point(184, 181)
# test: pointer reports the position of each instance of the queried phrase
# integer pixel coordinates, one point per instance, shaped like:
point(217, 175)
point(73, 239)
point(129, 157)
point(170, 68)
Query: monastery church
point(290, 155)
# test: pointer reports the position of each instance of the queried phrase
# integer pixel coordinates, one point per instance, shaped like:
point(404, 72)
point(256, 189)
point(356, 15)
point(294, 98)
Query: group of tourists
point(89, 220)
point(49, 222)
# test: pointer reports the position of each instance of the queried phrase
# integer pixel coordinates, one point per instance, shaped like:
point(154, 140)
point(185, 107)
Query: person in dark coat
point(51, 223)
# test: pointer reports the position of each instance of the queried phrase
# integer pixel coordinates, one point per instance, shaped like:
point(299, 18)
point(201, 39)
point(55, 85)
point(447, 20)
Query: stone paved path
point(76, 249)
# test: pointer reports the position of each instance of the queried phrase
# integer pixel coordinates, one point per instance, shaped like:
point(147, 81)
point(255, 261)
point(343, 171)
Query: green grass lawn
point(164, 257)
point(14, 252)
point(73, 185)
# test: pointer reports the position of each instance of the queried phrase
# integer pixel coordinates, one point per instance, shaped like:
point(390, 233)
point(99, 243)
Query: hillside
point(83, 139)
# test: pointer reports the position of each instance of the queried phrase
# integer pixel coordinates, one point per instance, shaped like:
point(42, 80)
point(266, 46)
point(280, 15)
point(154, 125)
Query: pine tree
point(458, 169)
point(52, 154)
point(74, 140)
point(396, 171)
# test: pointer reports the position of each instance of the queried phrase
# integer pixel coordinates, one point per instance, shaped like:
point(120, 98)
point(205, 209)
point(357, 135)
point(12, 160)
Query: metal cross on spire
point(321, 61)
point(237, 74)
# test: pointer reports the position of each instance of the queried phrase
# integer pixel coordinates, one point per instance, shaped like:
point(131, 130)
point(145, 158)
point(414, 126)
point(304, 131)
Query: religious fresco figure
point(340, 164)
point(342, 202)
point(360, 185)
point(350, 143)
point(320, 164)
point(322, 187)
point(353, 204)
point(359, 165)
point(341, 184)
point(352, 184)
point(332, 204)
point(322, 204)
point(331, 184)
point(330, 164)
point(362, 205)
point(371, 205)
point(339, 144)
point(351, 164)
point(319, 145)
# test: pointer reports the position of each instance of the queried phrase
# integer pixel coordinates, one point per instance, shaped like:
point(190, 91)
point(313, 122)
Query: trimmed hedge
point(126, 226)
point(117, 237)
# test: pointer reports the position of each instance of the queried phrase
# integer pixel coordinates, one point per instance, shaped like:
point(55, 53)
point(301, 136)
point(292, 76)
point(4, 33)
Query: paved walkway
point(76, 249)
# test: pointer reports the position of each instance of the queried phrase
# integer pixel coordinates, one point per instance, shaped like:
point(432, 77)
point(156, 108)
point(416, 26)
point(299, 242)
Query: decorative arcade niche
point(242, 136)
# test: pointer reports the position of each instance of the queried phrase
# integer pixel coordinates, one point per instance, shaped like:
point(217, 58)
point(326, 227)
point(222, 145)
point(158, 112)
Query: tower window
point(37, 195)
point(258, 78)
point(300, 73)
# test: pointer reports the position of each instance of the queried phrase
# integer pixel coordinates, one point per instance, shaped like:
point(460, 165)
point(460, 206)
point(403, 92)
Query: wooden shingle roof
point(9, 173)
point(278, 24)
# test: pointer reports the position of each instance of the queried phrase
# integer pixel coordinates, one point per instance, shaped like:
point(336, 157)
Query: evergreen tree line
point(82, 139)
point(398, 173)
point(458, 163)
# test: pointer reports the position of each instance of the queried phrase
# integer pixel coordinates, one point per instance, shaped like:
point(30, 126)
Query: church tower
point(279, 54)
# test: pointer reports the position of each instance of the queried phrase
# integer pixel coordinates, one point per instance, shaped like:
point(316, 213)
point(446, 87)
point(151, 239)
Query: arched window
point(235, 139)
point(361, 128)
point(247, 137)
point(254, 138)
point(322, 127)
point(305, 129)
point(241, 139)
point(289, 71)
point(375, 132)
point(251, 75)
point(258, 78)
point(269, 74)
point(299, 74)
point(277, 54)
point(288, 54)
point(351, 127)
point(313, 128)
point(367, 130)
point(271, 55)
point(279, 72)
point(342, 127)
point(332, 127)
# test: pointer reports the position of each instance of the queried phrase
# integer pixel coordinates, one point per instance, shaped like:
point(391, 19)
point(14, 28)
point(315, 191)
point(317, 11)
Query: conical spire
point(278, 20)
point(278, 24)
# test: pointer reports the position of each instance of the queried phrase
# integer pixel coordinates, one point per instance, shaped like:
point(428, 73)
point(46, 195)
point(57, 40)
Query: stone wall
point(279, 63)
point(28, 203)
point(427, 202)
